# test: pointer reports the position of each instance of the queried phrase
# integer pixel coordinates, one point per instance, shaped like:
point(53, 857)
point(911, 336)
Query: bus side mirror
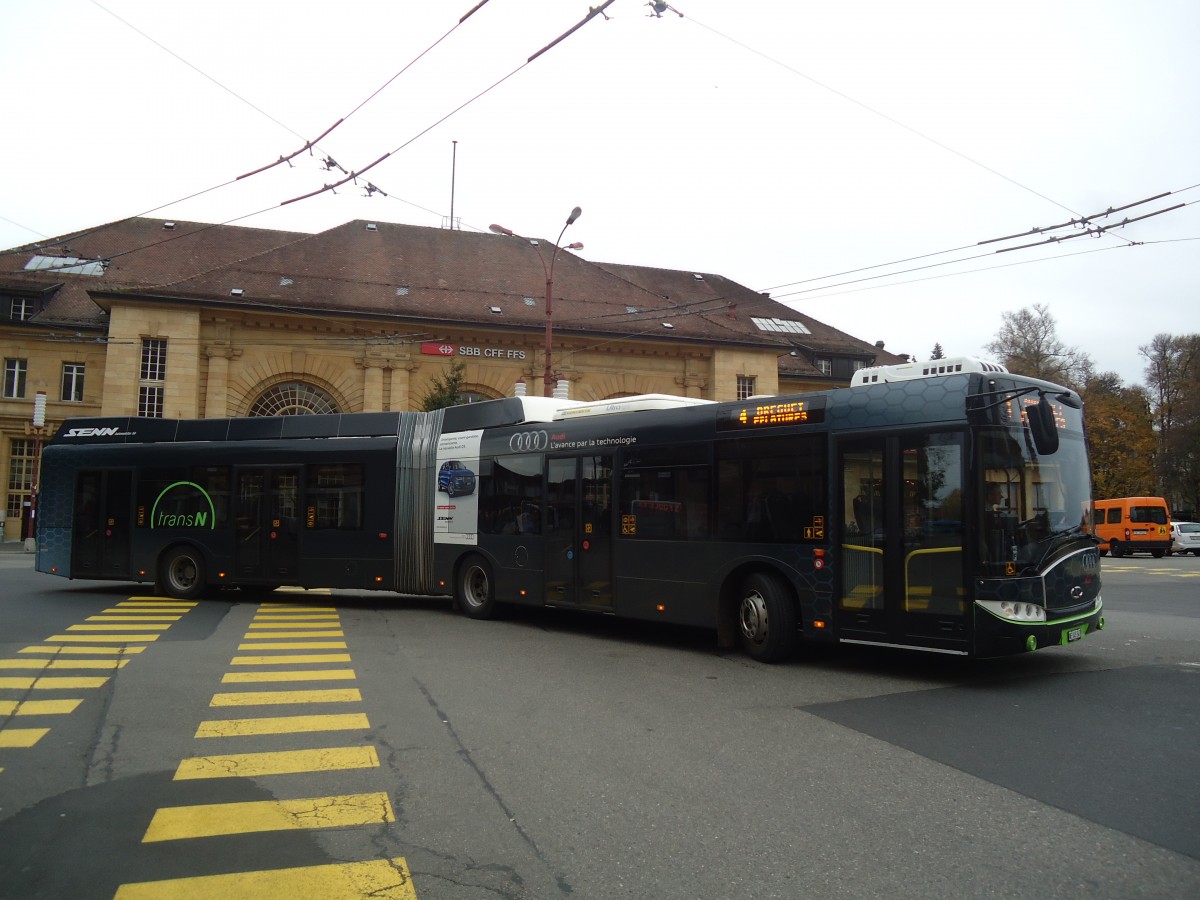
point(1041, 423)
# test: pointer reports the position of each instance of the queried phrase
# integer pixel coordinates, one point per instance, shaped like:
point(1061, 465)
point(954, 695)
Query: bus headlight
point(1014, 611)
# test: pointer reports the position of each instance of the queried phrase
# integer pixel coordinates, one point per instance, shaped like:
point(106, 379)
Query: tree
point(1173, 377)
point(1120, 436)
point(1028, 344)
point(938, 352)
point(445, 389)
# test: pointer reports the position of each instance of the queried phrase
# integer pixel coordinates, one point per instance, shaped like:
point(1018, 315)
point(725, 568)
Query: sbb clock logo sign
point(440, 348)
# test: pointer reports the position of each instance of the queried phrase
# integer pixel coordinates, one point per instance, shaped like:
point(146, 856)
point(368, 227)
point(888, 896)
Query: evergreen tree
point(445, 388)
point(938, 352)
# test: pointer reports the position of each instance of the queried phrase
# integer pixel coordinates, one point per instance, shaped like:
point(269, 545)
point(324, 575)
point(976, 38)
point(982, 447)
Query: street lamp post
point(39, 426)
point(548, 269)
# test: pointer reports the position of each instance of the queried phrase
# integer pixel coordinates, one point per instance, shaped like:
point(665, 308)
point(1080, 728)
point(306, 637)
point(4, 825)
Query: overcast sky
point(779, 143)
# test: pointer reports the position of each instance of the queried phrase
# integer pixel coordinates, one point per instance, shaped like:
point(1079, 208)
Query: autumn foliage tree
point(1120, 436)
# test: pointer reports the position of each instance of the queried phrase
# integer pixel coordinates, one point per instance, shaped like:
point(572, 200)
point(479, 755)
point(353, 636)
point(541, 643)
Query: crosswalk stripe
point(289, 675)
point(282, 725)
point(260, 625)
point(158, 601)
point(274, 698)
point(295, 645)
point(21, 737)
point(37, 707)
point(52, 683)
point(264, 635)
point(289, 659)
point(279, 762)
point(103, 638)
point(124, 626)
point(34, 663)
point(213, 819)
point(133, 617)
point(81, 650)
point(380, 879)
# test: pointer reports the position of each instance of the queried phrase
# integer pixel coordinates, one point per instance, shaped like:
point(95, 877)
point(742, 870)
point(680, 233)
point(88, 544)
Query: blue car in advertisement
point(455, 479)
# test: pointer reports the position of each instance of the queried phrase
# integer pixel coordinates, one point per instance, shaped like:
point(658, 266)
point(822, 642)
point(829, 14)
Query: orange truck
point(1132, 525)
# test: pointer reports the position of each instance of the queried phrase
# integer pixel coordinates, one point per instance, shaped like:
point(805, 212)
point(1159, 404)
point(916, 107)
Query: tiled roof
point(420, 277)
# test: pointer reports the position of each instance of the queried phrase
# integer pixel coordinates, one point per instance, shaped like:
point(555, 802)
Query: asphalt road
point(408, 751)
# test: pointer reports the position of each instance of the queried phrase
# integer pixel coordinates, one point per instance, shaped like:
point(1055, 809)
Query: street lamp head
point(578, 245)
point(575, 214)
point(500, 229)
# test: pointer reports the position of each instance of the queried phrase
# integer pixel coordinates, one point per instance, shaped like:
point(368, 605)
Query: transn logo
point(91, 432)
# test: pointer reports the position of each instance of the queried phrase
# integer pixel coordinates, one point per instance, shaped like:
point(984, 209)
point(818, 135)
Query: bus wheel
point(476, 593)
point(767, 618)
point(181, 573)
point(1115, 549)
point(1157, 554)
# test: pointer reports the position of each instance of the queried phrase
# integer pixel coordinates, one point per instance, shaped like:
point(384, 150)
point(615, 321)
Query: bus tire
point(476, 590)
point(1115, 549)
point(767, 619)
point(1157, 554)
point(181, 573)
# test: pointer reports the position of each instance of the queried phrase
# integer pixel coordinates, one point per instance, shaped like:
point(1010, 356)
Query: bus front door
point(101, 532)
point(902, 568)
point(578, 531)
point(268, 526)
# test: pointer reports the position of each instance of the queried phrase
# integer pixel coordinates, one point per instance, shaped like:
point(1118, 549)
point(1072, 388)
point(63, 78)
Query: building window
point(154, 373)
point(294, 398)
point(22, 309)
point(860, 364)
point(824, 364)
point(72, 382)
point(15, 371)
point(20, 475)
point(745, 386)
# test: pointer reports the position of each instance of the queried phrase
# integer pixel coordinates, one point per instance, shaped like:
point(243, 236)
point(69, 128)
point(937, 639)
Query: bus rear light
point(661, 607)
point(383, 536)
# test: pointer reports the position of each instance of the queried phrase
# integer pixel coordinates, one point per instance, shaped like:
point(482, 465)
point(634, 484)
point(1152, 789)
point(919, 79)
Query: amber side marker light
point(817, 623)
point(661, 607)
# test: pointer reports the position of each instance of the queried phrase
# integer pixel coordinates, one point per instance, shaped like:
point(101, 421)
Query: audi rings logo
point(526, 441)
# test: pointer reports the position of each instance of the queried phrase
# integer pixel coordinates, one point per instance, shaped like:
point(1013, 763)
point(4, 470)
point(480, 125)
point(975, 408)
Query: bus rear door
point(578, 530)
point(268, 525)
point(102, 520)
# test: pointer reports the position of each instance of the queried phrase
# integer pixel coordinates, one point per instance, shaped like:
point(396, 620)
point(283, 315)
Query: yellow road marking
point(158, 601)
point(289, 675)
point(270, 698)
point(282, 725)
point(380, 879)
point(63, 663)
point(297, 607)
point(133, 617)
point(296, 645)
point(264, 635)
point(37, 707)
point(212, 819)
point(21, 737)
point(52, 683)
point(123, 626)
point(272, 615)
point(254, 625)
point(280, 762)
point(296, 658)
point(104, 638)
point(81, 650)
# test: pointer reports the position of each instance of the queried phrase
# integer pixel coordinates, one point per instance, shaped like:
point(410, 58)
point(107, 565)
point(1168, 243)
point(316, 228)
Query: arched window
point(293, 398)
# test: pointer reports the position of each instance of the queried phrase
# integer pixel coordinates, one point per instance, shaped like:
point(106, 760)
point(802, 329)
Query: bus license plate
point(1074, 634)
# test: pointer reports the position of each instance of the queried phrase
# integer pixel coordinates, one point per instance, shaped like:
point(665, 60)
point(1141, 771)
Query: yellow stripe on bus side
point(213, 819)
point(279, 762)
point(283, 725)
point(380, 879)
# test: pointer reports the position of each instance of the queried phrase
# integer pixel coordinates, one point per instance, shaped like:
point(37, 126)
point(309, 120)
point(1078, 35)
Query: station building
point(146, 317)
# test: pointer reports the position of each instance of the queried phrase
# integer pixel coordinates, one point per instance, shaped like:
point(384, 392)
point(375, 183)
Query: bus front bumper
point(997, 636)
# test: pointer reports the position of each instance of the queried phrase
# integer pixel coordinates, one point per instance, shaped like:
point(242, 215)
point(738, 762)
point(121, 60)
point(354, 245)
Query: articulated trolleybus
point(937, 506)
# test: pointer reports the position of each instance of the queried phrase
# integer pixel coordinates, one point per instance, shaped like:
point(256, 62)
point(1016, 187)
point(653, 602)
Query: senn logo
point(187, 508)
point(91, 432)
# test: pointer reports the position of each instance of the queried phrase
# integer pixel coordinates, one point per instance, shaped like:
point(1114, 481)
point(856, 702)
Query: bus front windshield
point(1032, 502)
